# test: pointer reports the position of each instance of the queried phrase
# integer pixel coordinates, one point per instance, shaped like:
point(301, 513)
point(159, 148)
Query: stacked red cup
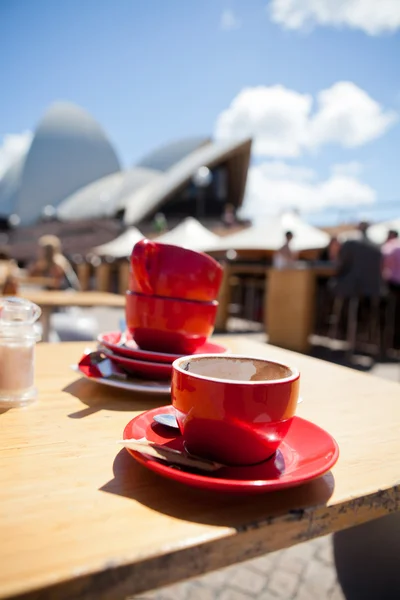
point(171, 304)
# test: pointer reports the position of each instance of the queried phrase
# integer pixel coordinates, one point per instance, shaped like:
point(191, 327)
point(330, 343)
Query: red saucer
point(131, 349)
point(146, 369)
point(307, 452)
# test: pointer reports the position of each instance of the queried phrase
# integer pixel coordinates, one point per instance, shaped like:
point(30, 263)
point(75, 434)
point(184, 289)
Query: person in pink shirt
point(391, 274)
point(391, 260)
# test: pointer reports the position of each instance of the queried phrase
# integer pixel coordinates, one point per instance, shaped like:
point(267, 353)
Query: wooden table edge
point(119, 579)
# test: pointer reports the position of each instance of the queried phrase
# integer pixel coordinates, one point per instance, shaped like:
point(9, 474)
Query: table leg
point(45, 320)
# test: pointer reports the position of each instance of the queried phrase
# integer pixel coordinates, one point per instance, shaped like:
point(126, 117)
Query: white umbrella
point(122, 245)
point(189, 234)
point(269, 234)
point(378, 232)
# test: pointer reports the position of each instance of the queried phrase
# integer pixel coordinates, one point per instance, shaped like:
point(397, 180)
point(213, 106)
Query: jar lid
point(17, 317)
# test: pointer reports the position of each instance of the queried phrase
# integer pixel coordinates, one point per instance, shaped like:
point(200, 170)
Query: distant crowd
point(362, 268)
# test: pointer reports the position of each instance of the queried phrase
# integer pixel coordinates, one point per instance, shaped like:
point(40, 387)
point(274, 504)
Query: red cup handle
point(142, 258)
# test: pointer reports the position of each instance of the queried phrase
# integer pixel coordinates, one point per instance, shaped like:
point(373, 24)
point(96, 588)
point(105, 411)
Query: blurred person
point(359, 267)
point(52, 264)
point(391, 260)
point(9, 273)
point(331, 252)
point(391, 275)
point(229, 216)
point(160, 223)
point(285, 257)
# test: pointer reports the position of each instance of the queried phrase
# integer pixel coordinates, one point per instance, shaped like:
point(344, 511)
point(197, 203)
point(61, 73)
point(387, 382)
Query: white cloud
point(276, 118)
point(14, 145)
point(281, 121)
point(229, 21)
point(353, 168)
point(347, 115)
point(268, 192)
point(279, 170)
point(371, 16)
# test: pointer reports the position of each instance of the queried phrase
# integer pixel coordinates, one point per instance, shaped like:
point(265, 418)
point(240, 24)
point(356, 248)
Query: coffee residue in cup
point(236, 369)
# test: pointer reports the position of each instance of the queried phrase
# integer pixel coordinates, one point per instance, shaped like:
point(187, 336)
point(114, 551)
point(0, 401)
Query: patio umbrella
point(189, 234)
point(122, 245)
point(268, 234)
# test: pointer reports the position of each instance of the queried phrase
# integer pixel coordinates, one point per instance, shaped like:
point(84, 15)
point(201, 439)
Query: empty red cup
point(233, 409)
point(174, 272)
point(168, 324)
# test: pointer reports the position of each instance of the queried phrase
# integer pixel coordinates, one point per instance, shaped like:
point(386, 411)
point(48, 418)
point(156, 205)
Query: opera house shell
point(72, 172)
point(69, 150)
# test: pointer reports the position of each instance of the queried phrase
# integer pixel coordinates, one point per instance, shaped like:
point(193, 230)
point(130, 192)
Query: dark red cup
point(174, 272)
point(233, 409)
point(168, 324)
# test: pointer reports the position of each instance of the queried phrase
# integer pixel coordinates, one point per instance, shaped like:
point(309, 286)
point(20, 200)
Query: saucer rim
point(230, 485)
point(162, 390)
point(165, 357)
point(119, 359)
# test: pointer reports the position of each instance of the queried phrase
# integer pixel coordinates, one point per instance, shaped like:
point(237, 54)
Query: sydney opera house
point(70, 182)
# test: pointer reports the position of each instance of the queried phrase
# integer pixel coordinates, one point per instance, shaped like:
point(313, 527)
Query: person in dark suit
point(358, 278)
point(359, 268)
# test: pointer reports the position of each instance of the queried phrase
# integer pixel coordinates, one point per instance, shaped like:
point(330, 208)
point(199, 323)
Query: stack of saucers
point(124, 352)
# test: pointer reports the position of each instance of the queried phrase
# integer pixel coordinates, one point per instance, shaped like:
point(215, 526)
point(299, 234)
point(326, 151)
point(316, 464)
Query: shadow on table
point(215, 508)
point(97, 398)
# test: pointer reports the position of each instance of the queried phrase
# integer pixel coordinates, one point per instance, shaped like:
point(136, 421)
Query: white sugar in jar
point(17, 350)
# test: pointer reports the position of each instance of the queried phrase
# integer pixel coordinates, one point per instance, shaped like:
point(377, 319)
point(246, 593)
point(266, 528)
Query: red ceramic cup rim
point(187, 250)
point(176, 365)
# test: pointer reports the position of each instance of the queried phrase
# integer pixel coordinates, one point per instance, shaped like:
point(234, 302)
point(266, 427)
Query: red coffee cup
point(168, 324)
point(174, 272)
point(233, 409)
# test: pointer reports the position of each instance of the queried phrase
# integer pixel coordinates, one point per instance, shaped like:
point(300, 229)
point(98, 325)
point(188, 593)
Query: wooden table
point(79, 518)
point(50, 300)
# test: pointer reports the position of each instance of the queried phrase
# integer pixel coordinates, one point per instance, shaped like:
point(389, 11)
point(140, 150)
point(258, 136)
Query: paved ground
point(303, 572)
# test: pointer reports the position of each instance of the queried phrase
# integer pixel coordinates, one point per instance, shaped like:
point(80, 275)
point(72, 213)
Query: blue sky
point(155, 70)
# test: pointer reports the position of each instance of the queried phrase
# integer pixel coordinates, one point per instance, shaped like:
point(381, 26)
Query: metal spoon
point(167, 420)
point(123, 339)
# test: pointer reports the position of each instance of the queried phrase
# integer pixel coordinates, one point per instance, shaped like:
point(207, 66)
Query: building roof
point(168, 155)
point(10, 185)
point(69, 150)
point(236, 154)
point(189, 234)
point(105, 197)
point(141, 190)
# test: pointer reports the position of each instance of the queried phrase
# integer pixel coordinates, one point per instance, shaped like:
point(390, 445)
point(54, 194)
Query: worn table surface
point(79, 518)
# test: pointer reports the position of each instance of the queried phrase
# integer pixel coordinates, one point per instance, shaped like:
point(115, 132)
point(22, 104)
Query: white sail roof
point(122, 245)
point(269, 234)
point(149, 197)
point(190, 234)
